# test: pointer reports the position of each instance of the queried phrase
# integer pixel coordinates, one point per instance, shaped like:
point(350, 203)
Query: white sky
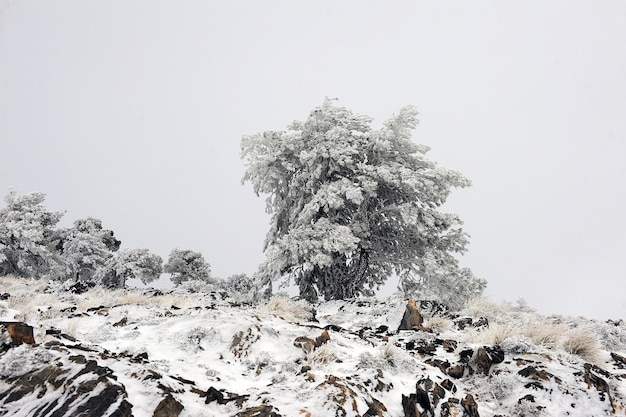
point(132, 112)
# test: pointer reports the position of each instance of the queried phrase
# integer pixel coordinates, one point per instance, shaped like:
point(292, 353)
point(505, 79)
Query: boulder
point(412, 318)
point(19, 332)
point(168, 407)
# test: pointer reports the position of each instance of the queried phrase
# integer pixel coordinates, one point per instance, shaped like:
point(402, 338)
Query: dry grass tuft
point(292, 311)
point(582, 342)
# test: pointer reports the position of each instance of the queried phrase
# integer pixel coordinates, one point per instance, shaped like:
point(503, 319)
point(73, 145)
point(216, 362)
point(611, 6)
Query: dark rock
point(259, 411)
point(53, 331)
point(449, 345)
point(537, 374)
point(412, 318)
point(466, 355)
point(593, 380)
point(122, 322)
point(470, 406)
point(456, 371)
point(422, 346)
point(448, 385)
point(409, 406)
point(168, 407)
point(20, 332)
point(321, 339)
point(438, 363)
point(89, 391)
point(481, 323)
point(376, 409)
point(213, 394)
point(463, 322)
point(483, 361)
point(4, 296)
point(81, 287)
point(620, 360)
point(381, 329)
point(495, 353)
point(527, 397)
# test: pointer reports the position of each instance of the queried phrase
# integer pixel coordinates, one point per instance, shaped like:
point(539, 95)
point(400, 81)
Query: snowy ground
point(186, 345)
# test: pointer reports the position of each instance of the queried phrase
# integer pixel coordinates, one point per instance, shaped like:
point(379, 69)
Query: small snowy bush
point(517, 344)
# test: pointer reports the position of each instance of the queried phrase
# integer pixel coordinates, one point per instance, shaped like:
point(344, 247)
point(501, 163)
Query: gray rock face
point(67, 385)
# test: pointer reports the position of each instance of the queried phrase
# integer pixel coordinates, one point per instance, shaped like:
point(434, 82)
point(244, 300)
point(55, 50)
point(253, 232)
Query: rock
point(527, 397)
point(4, 296)
point(620, 360)
point(81, 287)
point(323, 338)
point(20, 332)
point(537, 374)
point(168, 407)
point(409, 406)
point(68, 389)
point(449, 345)
point(259, 411)
point(448, 385)
point(456, 371)
point(305, 343)
point(470, 406)
point(412, 318)
point(593, 380)
point(122, 322)
point(213, 394)
point(463, 322)
point(486, 357)
point(376, 409)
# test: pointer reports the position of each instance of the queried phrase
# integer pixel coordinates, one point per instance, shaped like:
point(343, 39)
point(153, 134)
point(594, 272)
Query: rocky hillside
point(179, 353)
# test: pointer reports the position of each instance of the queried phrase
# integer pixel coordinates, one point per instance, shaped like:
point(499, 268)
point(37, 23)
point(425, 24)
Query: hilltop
point(187, 352)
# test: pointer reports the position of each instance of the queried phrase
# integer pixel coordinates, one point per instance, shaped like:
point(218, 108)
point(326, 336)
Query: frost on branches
point(27, 232)
point(187, 265)
point(351, 205)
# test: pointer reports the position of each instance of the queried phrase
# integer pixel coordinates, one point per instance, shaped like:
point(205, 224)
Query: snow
point(194, 341)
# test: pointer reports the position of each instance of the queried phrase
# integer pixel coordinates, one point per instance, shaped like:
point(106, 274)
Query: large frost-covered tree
point(27, 232)
point(351, 205)
point(186, 265)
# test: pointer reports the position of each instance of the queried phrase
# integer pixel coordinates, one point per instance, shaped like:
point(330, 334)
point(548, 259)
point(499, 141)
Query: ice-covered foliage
point(186, 265)
point(129, 264)
point(241, 288)
point(85, 248)
point(27, 235)
point(351, 205)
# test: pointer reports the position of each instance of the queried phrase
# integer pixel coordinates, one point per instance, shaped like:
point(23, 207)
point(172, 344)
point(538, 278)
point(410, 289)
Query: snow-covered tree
point(351, 205)
point(85, 248)
point(27, 233)
point(129, 264)
point(186, 265)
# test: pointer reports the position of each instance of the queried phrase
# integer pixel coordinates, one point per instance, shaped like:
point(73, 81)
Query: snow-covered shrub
point(502, 385)
point(241, 288)
point(612, 335)
point(517, 344)
point(287, 309)
point(129, 264)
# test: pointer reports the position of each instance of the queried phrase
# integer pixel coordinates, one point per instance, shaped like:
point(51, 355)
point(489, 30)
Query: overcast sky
point(133, 111)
